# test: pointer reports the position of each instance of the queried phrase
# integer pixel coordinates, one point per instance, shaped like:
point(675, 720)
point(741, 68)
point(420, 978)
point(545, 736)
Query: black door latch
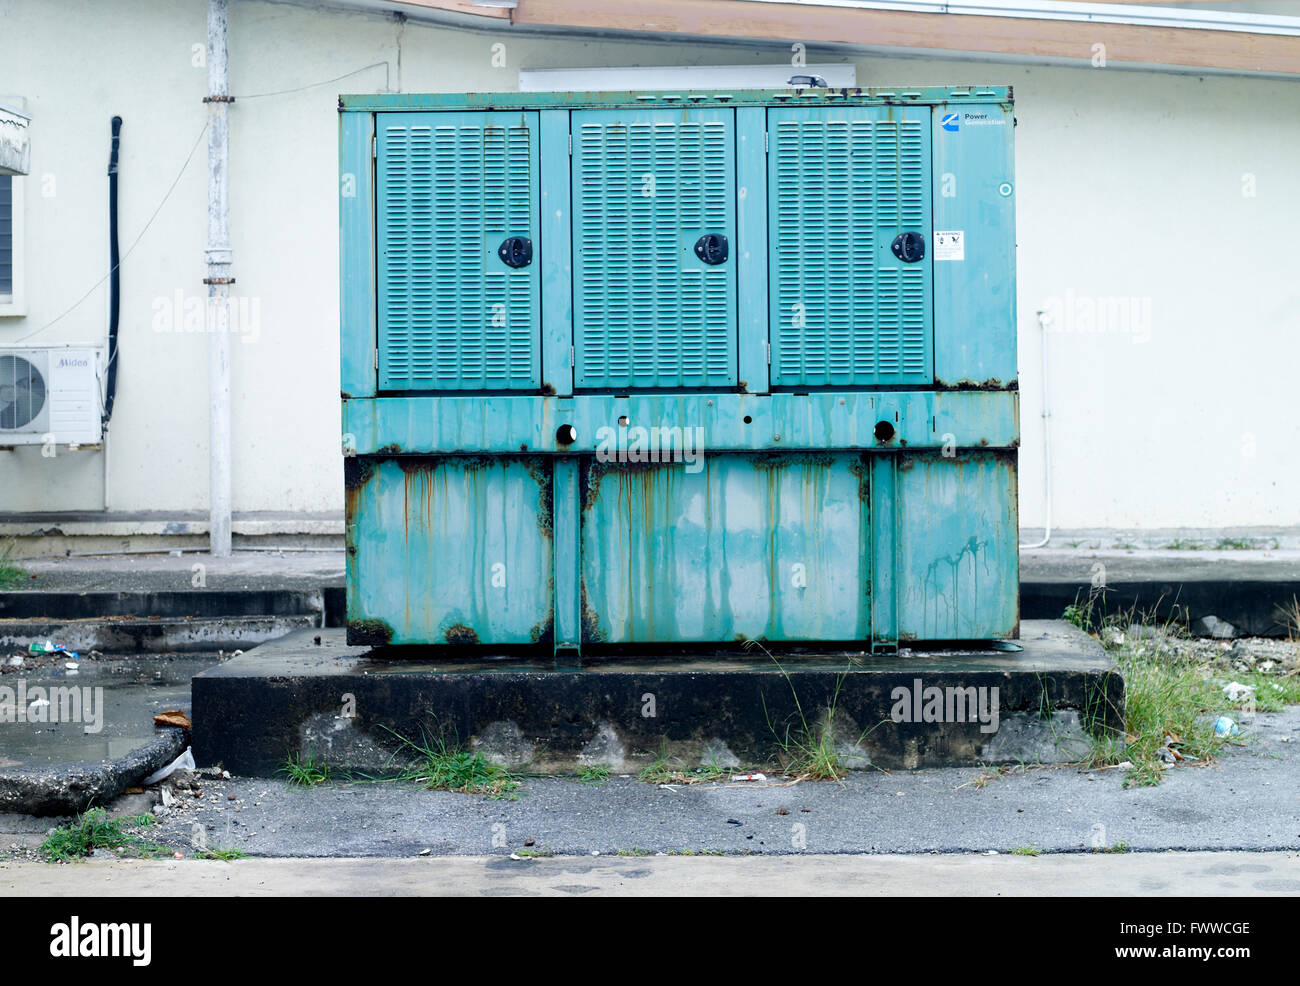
point(909, 247)
point(712, 248)
point(517, 251)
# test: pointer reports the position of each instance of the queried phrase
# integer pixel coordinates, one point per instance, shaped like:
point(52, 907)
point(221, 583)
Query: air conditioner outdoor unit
point(50, 394)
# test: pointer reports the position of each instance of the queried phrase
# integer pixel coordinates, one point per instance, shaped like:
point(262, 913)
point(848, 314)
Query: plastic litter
point(50, 647)
point(1235, 691)
point(186, 759)
point(1224, 726)
point(749, 777)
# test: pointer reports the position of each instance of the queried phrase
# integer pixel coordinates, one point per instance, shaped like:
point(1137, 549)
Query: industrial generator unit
point(678, 369)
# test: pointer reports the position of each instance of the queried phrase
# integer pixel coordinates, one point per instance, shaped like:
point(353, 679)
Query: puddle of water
point(102, 712)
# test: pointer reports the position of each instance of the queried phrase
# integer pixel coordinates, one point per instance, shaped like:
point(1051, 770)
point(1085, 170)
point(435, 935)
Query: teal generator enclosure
point(652, 370)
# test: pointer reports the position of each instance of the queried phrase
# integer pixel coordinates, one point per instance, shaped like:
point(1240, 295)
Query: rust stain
point(993, 383)
point(542, 474)
point(861, 468)
point(591, 631)
point(372, 633)
point(461, 635)
point(357, 472)
point(543, 632)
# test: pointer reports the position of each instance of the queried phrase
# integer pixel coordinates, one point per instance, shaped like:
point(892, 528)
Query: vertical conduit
point(114, 304)
point(1047, 444)
point(218, 258)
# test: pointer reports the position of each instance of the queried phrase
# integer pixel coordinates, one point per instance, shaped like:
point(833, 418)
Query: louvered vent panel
point(842, 184)
point(452, 315)
point(648, 313)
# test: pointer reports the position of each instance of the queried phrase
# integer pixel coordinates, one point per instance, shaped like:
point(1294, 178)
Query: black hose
point(114, 281)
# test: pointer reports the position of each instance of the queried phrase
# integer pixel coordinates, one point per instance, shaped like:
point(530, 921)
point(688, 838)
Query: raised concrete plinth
point(309, 691)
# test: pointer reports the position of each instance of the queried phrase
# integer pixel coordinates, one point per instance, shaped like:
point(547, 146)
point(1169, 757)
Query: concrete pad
point(908, 710)
point(1137, 875)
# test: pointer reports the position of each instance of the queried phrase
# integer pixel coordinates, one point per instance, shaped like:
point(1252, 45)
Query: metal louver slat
point(452, 314)
point(647, 185)
point(843, 182)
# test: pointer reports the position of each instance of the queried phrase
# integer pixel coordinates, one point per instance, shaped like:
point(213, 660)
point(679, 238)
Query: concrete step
point(311, 693)
point(199, 604)
point(132, 635)
point(1249, 589)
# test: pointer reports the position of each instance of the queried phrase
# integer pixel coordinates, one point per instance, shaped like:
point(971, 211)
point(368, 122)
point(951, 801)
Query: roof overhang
point(1118, 35)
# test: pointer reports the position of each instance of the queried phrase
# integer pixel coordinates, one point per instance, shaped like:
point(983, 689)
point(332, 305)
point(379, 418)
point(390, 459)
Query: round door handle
point(516, 251)
point(909, 247)
point(712, 248)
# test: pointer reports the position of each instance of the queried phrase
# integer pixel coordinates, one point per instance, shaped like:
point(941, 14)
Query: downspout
point(114, 304)
point(114, 274)
point(218, 258)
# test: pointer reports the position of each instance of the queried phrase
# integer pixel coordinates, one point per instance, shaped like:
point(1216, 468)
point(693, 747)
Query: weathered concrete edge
point(64, 604)
point(67, 788)
point(252, 713)
point(1250, 605)
point(153, 636)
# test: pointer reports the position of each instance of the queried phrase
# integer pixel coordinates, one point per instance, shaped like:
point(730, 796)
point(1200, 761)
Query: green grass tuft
point(305, 771)
point(672, 770)
point(438, 767)
point(1119, 847)
point(810, 751)
point(92, 830)
point(224, 855)
point(596, 773)
point(11, 575)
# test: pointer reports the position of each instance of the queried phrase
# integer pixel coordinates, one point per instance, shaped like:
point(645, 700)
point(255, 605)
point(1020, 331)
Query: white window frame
point(14, 305)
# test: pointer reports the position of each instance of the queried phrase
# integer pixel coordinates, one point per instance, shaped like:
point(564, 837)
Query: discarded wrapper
point(50, 647)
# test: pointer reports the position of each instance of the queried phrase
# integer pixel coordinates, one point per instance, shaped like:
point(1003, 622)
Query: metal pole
point(218, 258)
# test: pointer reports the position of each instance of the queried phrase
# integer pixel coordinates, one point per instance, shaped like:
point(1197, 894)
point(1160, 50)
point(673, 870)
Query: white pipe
point(218, 258)
point(107, 485)
point(1047, 445)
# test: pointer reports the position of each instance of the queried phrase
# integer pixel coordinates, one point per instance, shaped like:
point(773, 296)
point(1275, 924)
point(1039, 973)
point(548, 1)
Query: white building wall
point(1174, 193)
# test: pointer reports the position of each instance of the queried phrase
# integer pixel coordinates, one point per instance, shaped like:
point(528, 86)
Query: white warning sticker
point(949, 244)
